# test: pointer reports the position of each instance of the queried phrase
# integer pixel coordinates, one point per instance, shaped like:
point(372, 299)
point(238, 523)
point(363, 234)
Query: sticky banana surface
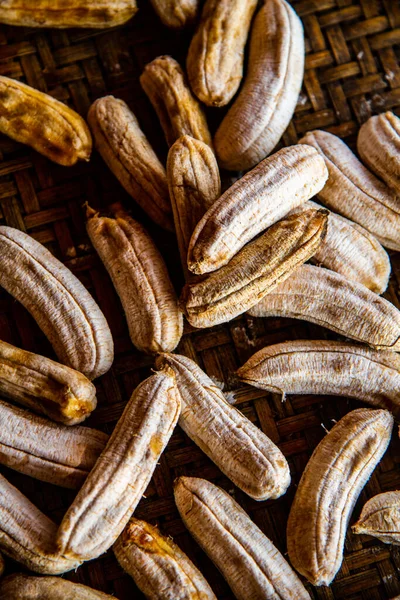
point(27, 587)
point(59, 303)
point(334, 477)
point(253, 203)
point(158, 566)
point(243, 452)
point(252, 566)
point(380, 517)
point(123, 471)
point(324, 367)
point(328, 299)
point(47, 451)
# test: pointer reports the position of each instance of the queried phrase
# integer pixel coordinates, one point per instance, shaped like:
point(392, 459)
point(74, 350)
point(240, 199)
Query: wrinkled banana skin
point(27, 587)
point(380, 517)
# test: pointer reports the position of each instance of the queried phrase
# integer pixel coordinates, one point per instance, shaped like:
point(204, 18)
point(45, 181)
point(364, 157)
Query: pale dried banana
point(327, 368)
point(121, 475)
point(141, 280)
point(378, 144)
point(176, 13)
point(179, 111)
point(45, 386)
point(355, 192)
point(243, 452)
point(256, 270)
point(328, 299)
point(250, 563)
point(216, 53)
point(352, 251)
point(27, 587)
point(127, 152)
point(262, 111)
point(380, 517)
point(337, 471)
point(158, 566)
point(57, 300)
point(42, 122)
point(60, 14)
point(27, 535)
point(253, 203)
point(194, 185)
point(47, 451)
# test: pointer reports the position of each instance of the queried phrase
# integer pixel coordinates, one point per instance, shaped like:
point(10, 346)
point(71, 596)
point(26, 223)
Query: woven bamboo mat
point(352, 72)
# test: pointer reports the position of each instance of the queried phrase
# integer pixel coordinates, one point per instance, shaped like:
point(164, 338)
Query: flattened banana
point(330, 300)
point(380, 517)
point(333, 368)
point(334, 477)
point(56, 299)
point(26, 587)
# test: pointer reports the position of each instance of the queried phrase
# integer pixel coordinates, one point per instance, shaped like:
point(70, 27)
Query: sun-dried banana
point(248, 560)
point(57, 300)
point(330, 300)
point(256, 270)
point(27, 587)
point(380, 517)
point(179, 111)
point(253, 203)
point(216, 53)
point(352, 251)
point(355, 192)
point(127, 152)
point(140, 278)
point(334, 477)
point(158, 566)
point(61, 14)
point(239, 448)
point(194, 185)
point(42, 122)
point(47, 451)
point(45, 386)
point(327, 368)
point(176, 13)
point(27, 535)
point(116, 483)
point(262, 111)
point(378, 144)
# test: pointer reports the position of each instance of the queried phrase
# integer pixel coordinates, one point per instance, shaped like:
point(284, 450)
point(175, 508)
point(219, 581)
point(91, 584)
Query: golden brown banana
point(176, 13)
point(26, 587)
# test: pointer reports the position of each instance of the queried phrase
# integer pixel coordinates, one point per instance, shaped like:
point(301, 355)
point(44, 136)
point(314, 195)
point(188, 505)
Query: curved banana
point(334, 477)
point(26, 587)
point(380, 517)
point(328, 299)
point(333, 368)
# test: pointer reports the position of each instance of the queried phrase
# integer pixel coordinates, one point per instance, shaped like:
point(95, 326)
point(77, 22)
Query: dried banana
point(74, 13)
point(141, 280)
point(327, 368)
point(256, 270)
point(27, 587)
point(158, 566)
point(179, 111)
point(256, 201)
point(380, 517)
point(216, 53)
point(250, 563)
point(243, 452)
point(47, 451)
point(378, 144)
point(121, 475)
point(176, 13)
point(45, 386)
point(355, 192)
point(194, 185)
point(352, 251)
point(127, 152)
point(60, 304)
point(336, 473)
point(330, 300)
point(259, 116)
point(27, 535)
point(42, 122)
